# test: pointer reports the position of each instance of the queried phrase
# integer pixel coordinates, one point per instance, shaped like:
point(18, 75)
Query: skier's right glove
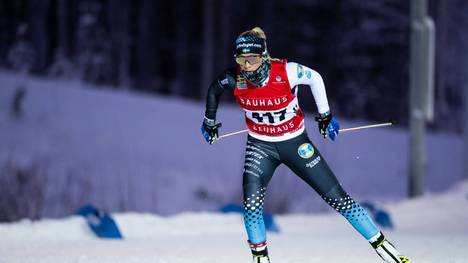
point(209, 130)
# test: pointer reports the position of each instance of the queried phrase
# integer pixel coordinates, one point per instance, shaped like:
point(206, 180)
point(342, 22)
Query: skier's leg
point(260, 163)
point(310, 166)
point(356, 215)
point(360, 220)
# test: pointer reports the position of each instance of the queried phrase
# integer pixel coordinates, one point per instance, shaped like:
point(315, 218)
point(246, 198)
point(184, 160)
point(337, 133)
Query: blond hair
point(255, 32)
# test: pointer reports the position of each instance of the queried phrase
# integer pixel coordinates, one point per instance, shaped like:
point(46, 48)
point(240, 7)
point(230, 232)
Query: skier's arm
point(302, 75)
point(209, 128)
point(225, 81)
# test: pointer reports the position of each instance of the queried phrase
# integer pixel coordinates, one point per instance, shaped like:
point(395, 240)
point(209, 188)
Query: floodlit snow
point(431, 229)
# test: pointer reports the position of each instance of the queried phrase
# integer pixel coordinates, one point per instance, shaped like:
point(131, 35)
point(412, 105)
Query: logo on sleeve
point(305, 150)
point(300, 71)
point(225, 81)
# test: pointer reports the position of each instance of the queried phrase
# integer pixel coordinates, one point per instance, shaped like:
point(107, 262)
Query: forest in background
point(361, 48)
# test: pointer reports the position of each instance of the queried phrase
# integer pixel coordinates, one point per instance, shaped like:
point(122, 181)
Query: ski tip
point(393, 122)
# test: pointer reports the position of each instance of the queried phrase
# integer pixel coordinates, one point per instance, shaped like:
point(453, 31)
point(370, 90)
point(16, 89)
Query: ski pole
point(367, 126)
point(232, 133)
point(341, 130)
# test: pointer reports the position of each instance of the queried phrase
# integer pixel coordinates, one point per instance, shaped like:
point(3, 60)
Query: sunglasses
point(254, 59)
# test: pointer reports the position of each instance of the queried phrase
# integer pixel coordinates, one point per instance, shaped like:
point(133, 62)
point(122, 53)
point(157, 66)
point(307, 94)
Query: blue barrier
point(231, 208)
point(101, 223)
point(379, 215)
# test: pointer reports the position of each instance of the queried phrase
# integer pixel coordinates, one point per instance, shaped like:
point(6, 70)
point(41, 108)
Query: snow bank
point(431, 229)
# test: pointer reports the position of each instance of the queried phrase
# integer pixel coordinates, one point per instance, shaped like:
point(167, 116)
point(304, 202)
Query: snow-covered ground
point(431, 229)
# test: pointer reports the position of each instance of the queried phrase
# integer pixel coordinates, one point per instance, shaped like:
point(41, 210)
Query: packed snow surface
point(430, 229)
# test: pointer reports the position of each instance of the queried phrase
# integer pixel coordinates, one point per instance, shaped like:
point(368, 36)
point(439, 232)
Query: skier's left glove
point(209, 130)
point(328, 125)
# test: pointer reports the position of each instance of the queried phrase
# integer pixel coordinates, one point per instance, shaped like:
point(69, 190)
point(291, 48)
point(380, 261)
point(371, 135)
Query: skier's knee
point(336, 192)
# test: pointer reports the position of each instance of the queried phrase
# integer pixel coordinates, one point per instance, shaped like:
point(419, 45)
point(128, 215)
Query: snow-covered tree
point(22, 55)
point(61, 66)
point(93, 46)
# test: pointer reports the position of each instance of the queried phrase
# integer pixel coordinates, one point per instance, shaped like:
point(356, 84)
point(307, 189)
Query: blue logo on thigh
point(305, 150)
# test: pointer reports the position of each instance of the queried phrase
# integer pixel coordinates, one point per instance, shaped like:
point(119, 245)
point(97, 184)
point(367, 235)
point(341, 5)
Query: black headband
point(249, 44)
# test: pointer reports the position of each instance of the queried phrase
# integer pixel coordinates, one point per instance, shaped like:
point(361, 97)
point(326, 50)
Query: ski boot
point(386, 250)
point(259, 252)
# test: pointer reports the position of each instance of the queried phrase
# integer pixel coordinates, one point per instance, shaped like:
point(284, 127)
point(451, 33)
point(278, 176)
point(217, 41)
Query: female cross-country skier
point(266, 88)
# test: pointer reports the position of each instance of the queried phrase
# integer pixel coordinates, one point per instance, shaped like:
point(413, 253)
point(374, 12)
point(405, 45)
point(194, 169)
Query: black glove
point(328, 125)
point(209, 130)
point(323, 120)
